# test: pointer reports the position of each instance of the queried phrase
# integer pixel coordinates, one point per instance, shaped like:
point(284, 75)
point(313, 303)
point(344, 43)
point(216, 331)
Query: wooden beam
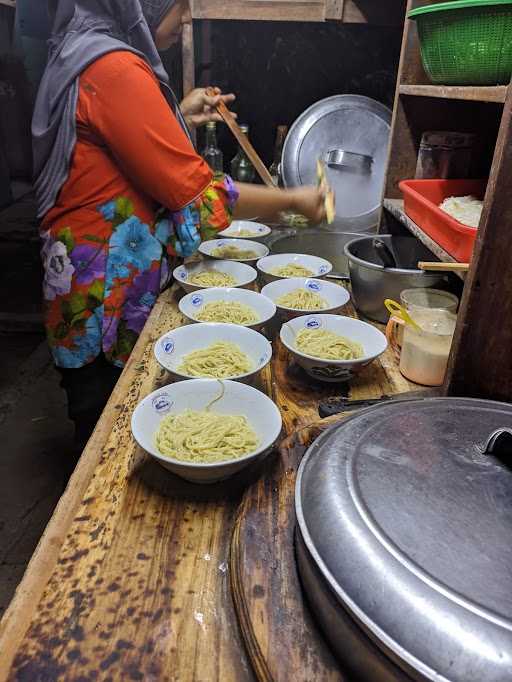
point(334, 9)
point(277, 10)
point(383, 12)
point(480, 364)
point(469, 93)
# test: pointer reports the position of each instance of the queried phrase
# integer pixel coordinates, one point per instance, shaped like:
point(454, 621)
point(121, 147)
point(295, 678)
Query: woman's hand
point(198, 108)
point(268, 203)
point(309, 202)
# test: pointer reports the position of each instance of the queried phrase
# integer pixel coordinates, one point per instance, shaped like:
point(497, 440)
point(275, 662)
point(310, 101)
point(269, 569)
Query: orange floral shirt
point(137, 194)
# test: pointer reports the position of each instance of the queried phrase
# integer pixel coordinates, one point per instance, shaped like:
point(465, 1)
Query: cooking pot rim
point(375, 266)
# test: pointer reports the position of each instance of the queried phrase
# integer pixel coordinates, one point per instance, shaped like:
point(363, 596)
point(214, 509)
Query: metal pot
point(314, 242)
point(403, 540)
point(350, 133)
point(372, 283)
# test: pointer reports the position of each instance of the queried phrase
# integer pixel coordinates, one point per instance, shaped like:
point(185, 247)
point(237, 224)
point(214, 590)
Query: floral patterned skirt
point(103, 276)
point(99, 288)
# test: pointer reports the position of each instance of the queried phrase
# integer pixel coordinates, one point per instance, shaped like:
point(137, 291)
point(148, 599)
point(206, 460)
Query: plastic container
point(444, 155)
point(421, 205)
point(424, 352)
point(412, 299)
point(467, 42)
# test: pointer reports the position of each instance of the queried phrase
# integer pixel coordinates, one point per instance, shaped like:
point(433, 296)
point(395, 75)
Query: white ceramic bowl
point(260, 250)
point(334, 295)
point(372, 340)
point(195, 394)
point(318, 266)
point(260, 231)
point(243, 274)
point(172, 347)
point(191, 304)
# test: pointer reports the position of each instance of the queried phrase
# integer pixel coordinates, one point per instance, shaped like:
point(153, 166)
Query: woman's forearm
point(262, 202)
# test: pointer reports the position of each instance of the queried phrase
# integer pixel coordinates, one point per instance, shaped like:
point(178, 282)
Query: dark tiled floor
point(35, 435)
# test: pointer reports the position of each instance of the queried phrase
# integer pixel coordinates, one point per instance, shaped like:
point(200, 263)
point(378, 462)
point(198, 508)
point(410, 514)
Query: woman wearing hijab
point(121, 190)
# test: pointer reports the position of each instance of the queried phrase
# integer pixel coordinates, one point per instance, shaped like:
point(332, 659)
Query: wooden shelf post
point(481, 361)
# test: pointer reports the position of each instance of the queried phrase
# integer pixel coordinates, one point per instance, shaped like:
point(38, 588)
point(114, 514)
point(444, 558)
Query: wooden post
point(334, 10)
point(188, 58)
point(188, 63)
point(480, 364)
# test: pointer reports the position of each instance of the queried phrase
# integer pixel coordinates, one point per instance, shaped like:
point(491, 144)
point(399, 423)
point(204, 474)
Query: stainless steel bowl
point(372, 283)
point(314, 242)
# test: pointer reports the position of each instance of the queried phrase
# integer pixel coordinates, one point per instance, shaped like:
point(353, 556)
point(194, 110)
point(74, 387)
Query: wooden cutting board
point(282, 640)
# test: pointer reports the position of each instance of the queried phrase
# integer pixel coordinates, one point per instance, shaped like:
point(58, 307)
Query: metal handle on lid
point(499, 444)
point(341, 158)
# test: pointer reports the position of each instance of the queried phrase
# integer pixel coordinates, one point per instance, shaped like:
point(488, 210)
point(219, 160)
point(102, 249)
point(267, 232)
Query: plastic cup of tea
point(424, 352)
point(426, 298)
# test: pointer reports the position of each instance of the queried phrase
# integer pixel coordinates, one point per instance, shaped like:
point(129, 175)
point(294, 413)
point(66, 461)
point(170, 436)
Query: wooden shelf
point(471, 93)
point(383, 12)
point(396, 208)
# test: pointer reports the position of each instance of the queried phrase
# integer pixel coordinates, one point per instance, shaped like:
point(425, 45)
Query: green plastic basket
point(466, 42)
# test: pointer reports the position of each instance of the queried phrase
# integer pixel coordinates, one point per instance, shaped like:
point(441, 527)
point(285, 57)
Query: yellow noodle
point(292, 270)
point(246, 233)
point(228, 311)
point(212, 278)
point(322, 343)
point(205, 437)
point(220, 360)
point(302, 299)
point(233, 252)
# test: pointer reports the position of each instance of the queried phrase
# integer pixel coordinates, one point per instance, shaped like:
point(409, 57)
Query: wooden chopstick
point(445, 267)
point(252, 154)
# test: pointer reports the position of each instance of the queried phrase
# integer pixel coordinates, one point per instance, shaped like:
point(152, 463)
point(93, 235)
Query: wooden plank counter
point(130, 580)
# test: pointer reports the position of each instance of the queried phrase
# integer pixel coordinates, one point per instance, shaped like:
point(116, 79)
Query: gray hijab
point(83, 31)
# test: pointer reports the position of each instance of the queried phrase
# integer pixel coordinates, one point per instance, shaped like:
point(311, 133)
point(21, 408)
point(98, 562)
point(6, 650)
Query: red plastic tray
point(421, 204)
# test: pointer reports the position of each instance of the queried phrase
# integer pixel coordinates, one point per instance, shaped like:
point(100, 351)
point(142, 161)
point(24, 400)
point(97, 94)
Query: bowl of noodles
point(332, 347)
point(296, 296)
point(211, 350)
point(233, 306)
point(233, 249)
point(246, 229)
point(206, 430)
point(284, 265)
point(221, 273)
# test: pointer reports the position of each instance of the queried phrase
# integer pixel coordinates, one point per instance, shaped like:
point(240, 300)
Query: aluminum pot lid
point(409, 520)
point(350, 133)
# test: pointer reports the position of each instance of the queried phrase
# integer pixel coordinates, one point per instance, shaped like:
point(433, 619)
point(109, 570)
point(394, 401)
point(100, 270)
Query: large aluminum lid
point(350, 133)
point(410, 524)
